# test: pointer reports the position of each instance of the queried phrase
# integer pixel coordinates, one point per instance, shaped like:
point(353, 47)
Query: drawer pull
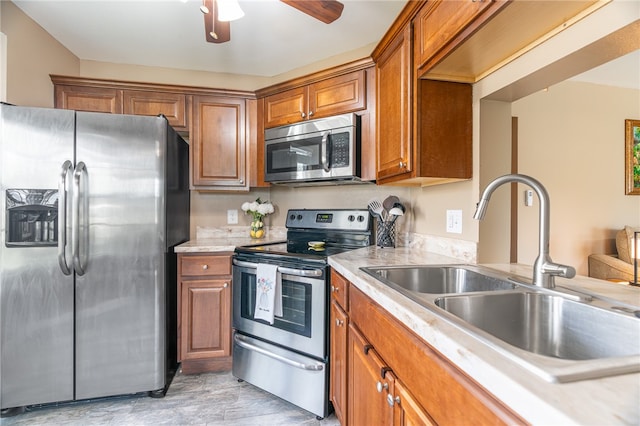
point(225, 285)
point(205, 267)
point(380, 387)
point(339, 323)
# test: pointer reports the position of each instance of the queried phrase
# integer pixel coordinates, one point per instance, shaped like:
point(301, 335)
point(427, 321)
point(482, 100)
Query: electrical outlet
point(232, 217)
point(454, 221)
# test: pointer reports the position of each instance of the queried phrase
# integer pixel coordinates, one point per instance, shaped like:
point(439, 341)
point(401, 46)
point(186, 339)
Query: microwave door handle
point(326, 152)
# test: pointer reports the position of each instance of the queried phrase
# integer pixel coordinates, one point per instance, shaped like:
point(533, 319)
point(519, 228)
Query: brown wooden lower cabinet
point(204, 312)
point(339, 324)
point(393, 377)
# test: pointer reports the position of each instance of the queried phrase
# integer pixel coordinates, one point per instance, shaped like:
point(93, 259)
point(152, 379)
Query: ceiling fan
point(219, 13)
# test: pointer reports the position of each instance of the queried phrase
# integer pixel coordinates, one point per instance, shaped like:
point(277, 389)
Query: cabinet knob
point(339, 323)
point(334, 289)
point(310, 113)
point(390, 400)
point(402, 164)
point(205, 267)
point(382, 386)
point(225, 285)
point(302, 114)
point(241, 181)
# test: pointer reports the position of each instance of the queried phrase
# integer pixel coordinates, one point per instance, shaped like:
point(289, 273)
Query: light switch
point(232, 217)
point(528, 197)
point(454, 221)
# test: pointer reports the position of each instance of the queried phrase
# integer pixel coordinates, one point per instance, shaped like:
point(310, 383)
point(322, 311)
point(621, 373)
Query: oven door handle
point(318, 366)
point(283, 270)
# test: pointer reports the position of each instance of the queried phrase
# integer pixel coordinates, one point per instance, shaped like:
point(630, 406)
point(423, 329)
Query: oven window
point(296, 305)
point(294, 156)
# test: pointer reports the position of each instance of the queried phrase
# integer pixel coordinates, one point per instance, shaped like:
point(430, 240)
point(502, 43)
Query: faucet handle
point(559, 270)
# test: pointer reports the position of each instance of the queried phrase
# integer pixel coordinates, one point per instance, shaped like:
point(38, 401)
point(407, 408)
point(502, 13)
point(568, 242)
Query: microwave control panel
point(340, 149)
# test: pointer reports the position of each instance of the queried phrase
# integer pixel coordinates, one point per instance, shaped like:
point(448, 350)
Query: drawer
point(339, 290)
point(205, 265)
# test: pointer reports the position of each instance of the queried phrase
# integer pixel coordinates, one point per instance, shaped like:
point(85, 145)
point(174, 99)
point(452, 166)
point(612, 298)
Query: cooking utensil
point(396, 211)
point(376, 208)
point(390, 202)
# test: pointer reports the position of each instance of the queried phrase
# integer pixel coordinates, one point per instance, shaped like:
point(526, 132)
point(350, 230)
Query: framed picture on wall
point(632, 156)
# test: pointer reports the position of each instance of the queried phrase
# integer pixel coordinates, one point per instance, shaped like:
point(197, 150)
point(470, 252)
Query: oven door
point(304, 307)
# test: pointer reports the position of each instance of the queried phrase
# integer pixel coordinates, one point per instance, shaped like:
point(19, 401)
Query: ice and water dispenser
point(32, 217)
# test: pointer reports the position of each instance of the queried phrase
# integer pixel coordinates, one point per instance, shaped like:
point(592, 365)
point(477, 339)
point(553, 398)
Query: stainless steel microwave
point(314, 151)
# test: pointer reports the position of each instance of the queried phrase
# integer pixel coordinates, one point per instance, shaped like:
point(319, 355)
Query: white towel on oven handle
point(268, 293)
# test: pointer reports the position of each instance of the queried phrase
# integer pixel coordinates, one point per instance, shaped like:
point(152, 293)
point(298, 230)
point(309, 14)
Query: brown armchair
point(615, 266)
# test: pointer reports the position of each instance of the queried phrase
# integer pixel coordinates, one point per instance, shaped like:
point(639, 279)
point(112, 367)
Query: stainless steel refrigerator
point(91, 206)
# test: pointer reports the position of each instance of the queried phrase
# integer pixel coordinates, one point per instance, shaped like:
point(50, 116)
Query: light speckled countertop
point(205, 245)
point(607, 401)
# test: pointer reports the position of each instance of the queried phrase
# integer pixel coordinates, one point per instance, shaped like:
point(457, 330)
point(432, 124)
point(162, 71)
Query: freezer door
point(120, 284)
point(36, 298)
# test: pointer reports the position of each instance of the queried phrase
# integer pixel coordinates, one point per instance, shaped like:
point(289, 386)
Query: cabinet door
point(218, 143)
point(286, 107)
point(440, 21)
point(206, 319)
point(369, 384)
point(337, 95)
point(407, 411)
point(172, 105)
point(338, 357)
point(86, 98)
point(394, 88)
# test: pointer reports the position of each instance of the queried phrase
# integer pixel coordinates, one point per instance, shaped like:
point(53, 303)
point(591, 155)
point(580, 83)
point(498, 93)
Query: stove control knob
point(299, 217)
point(351, 218)
point(360, 218)
point(292, 217)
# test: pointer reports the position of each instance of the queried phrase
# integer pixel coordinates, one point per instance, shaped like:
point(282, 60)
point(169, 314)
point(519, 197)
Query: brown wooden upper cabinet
point(171, 105)
point(423, 126)
point(87, 98)
point(394, 86)
point(336, 95)
point(439, 21)
point(219, 143)
point(117, 100)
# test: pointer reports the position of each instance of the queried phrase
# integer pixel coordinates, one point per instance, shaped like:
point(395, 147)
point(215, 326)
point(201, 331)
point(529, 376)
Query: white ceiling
point(270, 39)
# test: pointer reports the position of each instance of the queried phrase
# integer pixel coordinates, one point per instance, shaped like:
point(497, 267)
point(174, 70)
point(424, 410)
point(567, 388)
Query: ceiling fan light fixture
point(229, 10)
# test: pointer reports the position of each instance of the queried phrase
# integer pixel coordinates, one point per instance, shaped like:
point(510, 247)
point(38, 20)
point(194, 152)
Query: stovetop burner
point(313, 235)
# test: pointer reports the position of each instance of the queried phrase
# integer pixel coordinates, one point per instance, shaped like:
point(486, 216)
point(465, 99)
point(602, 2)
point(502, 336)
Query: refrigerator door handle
point(80, 228)
point(63, 188)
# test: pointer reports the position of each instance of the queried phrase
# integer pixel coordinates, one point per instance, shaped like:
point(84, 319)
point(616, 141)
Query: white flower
point(258, 209)
point(265, 208)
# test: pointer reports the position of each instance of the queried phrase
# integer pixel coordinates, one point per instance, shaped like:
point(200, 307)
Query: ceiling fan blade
point(212, 25)
point(326, 11)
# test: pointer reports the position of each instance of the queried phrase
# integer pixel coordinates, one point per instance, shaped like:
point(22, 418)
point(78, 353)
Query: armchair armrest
point(605, 266)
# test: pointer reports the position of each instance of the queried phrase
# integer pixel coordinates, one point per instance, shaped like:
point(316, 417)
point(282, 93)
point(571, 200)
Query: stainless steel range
point(289, 357)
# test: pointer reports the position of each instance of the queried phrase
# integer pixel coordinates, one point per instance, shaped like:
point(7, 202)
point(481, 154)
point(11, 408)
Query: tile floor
point(202, 399)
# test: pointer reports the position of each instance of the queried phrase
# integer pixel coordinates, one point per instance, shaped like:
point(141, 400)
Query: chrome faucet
point(544, 270)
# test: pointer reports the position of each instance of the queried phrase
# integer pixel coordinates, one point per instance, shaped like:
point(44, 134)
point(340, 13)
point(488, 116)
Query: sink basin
point(439, 279)
point(549, 325)
point(559, 336)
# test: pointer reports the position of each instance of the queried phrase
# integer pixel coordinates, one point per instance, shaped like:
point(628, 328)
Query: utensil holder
point(385, 233)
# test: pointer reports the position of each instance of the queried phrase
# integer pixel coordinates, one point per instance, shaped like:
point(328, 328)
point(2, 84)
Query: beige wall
point(572, 139)
point(495, 154)
point(32, 54)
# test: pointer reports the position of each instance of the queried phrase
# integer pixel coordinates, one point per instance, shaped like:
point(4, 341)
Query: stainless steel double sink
point(560, 335)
